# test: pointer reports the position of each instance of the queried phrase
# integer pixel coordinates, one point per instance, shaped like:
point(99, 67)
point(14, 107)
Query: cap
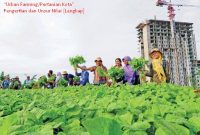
point(98, 59)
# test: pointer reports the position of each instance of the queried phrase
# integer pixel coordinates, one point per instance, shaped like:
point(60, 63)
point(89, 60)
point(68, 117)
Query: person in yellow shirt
point(159, 68)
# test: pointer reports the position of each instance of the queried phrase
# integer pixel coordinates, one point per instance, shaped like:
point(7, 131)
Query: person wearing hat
point(159, 68)
point(68, 77)
point(84, 75)
point(98, 69)
point(129, 74)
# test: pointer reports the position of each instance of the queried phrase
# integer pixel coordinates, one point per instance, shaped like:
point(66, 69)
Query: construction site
point(175, 40)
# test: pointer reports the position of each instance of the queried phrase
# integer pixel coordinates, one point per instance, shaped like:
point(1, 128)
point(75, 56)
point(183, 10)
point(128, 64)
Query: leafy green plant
point(168, 128)
point(116, 73)
point(42, 81)
point(15, 84)
point(102, 126)
point(76, 79)
point(138, 63)
point(2, 76)
point(62, 82)
point(52, 78)
point(74, 61)
point(101, 72)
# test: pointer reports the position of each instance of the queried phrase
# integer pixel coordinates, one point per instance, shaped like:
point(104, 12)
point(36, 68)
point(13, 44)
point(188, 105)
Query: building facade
point(198, 66)
point(180, 51)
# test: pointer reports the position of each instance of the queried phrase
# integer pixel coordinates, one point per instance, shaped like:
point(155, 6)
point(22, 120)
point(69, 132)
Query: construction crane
point(163, 3)
point(171, 12)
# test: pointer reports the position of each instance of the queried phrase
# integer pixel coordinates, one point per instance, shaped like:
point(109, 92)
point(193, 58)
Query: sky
point(34, 43)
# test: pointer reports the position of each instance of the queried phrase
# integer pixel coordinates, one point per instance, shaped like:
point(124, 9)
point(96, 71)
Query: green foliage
point(15, 84)
point(52, 78)
point(116, 73)
point(166, 128)
point(34, 85)
point(102, 126)
point(198, 73)
point(138, 63)
point(42, 81)
point(74, 61)
point(194, 123)
point(2, 77)
point(147, 109)
point(76, 79)
point(101, 72)
point(62, 82)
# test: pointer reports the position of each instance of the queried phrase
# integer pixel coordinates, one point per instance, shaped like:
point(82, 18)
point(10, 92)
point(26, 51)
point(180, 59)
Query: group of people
point(158, 72)
point(130, 76)
point(8, 83)
point(67, 79)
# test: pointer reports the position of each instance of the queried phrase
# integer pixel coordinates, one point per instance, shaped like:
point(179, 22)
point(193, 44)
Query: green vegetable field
point(147, 109)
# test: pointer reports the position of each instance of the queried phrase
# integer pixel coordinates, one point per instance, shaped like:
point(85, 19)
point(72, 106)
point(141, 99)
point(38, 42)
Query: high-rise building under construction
point(179, 51)
point(198, 75)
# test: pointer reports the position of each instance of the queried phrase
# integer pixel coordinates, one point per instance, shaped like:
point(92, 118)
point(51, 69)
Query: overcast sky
point(36, 43)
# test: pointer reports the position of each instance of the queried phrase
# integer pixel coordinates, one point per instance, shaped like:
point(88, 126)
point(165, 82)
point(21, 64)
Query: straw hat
point(155, 50)
point(64, 72)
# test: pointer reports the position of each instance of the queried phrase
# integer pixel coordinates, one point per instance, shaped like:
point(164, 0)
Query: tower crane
point(171, 11)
